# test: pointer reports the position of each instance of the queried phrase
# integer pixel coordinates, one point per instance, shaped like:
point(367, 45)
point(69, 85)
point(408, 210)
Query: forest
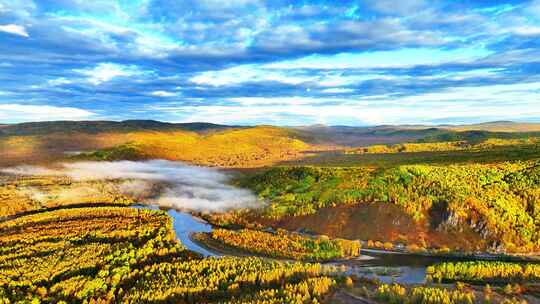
point(269, 152)
point(66, 240)
point(484, 271)
point(498, 201)
point(118, 254)
point(283, 244)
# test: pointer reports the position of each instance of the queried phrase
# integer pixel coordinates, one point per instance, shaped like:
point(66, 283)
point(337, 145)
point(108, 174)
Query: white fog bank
point(181, 186)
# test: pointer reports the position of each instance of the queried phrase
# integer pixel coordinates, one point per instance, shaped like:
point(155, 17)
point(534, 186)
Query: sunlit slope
point(226, 146)
point(240, 147)
point(30, 149)
point(232, 148)
point(463, 145)
point(249, 147)
point(40, 142)
point(26, 194)
point(494, 206)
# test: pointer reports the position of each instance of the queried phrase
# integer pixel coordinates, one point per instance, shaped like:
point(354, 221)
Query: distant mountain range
point(222, 145)
point(389, 134)
point(47, 127)
point(493, 126)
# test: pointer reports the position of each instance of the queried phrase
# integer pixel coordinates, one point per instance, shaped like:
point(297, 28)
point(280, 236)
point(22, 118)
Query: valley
point(283, 214)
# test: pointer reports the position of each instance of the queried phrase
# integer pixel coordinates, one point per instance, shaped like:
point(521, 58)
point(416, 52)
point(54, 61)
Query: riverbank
point(186, 224)
point(458, 255)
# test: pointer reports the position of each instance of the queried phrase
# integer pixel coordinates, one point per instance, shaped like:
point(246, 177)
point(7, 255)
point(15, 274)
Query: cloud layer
point(251, 61)
point(156, 182)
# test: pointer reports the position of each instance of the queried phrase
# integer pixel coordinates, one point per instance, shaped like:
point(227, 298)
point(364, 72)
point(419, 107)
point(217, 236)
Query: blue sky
point(270, 62)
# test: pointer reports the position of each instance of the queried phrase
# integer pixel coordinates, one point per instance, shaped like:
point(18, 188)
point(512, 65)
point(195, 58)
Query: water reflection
point(389, 274)
point(388, 268)
point(184, 225)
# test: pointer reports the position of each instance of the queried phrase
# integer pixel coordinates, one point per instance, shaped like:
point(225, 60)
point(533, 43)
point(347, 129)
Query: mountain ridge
point(100, 126)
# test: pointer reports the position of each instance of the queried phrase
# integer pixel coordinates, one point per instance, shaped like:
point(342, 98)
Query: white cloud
point(163, 94)
point(460, 105)
point(337, 90)
point(213, 4)
point(360, 114)
point(154, 46)
point(59, 81)
point(14, 29)
point(247, 73)
point(104, 72)
point(527, 30)
point(18, 112)
point(293, 72)
point(297, 100)
point(402, 58)
point(260, 73)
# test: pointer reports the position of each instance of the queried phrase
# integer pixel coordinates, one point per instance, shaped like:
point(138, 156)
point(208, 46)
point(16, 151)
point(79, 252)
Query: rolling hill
point(219, 145)
point(393, 134)
point(93, 127)
point(199, 143)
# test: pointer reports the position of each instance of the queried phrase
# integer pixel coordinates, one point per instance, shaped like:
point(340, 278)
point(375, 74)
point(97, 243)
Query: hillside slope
point(247, 147)
point(94, 127)
point(218, 145)
point(231, 147)
point(394, 134)
point(467, 207)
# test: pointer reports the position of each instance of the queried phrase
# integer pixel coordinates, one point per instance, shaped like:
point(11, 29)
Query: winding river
point(375, 264)
point(184, 225)
point(400, 268)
